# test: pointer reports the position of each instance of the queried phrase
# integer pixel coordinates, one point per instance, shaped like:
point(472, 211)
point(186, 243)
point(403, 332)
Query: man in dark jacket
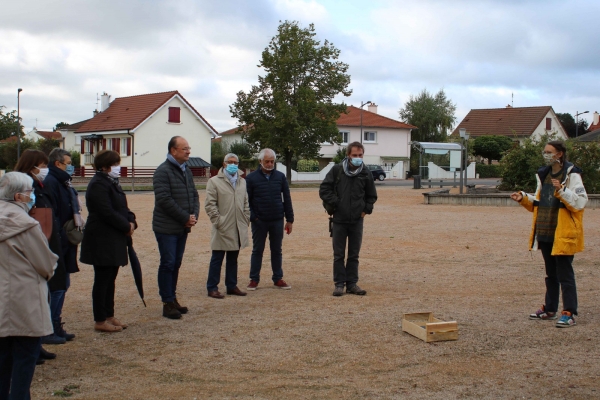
point(266, 187)
point(349, 190)
point(66, 208)
point(176, 207)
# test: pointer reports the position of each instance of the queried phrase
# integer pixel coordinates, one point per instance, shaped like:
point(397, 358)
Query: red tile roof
point(129, 112)
point(370, 120)
point(231, 131)
point(508, 121)
point(9, 139)
point(76, 125)
point(49, 134)
point(594, 127)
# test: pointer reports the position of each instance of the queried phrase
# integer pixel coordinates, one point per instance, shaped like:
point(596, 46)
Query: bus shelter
point(456, 158)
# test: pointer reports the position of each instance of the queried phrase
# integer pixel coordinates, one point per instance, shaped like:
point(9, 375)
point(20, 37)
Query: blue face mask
point(31, 201)
point(231, 169)
point(70, 169)
point(357, 162)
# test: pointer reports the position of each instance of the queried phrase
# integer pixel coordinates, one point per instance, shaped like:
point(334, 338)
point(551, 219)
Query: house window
point(369, 137)
point(115, 145)
point(175, 115)
point(345, 137)
point(126, 146)
point(548, 124)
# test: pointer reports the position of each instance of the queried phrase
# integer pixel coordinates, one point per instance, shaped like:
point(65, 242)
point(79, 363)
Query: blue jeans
point(57, 300)
point(18, 355)
point(214, 270)
point(260, 229)
point(171, 248)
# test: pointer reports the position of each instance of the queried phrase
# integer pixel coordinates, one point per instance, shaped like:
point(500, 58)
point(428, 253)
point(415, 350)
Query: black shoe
point(46, 355)
point(338, 291)
point(170, 311)
point(40, 361)
point(179, 307)
point(60, 331)
point(355, 290)
point(53, 339)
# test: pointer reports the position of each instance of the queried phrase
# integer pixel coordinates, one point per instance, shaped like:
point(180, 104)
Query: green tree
point(491, 147)
point(9, 124)
point(47, 145)
point(8, 152)
point(60, 125)
point(75, 158)
point(586, 155)
point(568, 122)
point(244, 152)
point(340, 154)
point(292, 109)
point(519, 166)
point(432, 115)
point(217, 153)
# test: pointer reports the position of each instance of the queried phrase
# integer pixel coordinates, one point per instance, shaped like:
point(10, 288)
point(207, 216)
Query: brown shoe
point(179, 307)
point(215, 295)
point(236, 292)
point(116, 322)
point(106, 326)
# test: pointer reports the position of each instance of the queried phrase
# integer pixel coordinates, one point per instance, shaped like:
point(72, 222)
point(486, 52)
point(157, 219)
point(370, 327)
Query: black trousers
point(560, 277)
point(103, 292)
point(346, 273)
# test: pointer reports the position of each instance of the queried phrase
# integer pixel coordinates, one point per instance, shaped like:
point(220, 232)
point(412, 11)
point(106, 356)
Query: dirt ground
point(468, 264)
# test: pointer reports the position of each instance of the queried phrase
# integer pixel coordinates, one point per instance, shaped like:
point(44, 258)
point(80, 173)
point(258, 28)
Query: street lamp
point(361, 106)
point(19, 90)
point(463, 134)
point(577, 114)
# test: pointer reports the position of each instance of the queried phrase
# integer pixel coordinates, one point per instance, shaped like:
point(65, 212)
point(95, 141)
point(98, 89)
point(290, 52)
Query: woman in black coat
point(108, 230)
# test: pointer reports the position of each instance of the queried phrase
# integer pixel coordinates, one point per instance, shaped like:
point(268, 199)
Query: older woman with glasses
point(26, 265)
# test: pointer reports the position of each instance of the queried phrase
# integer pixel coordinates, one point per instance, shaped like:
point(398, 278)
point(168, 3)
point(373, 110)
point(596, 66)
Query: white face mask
point(42, 174)
point(268, 168)
point(115, 171)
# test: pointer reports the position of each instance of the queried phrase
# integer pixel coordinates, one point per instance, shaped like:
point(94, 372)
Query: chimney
point(373, 108)
point(596, 118)
point(104, 102)
point(95, 112)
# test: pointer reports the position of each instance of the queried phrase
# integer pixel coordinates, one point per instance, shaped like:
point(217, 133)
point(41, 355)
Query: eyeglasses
point(69, 163)
point(232, 162)
point(184, 148)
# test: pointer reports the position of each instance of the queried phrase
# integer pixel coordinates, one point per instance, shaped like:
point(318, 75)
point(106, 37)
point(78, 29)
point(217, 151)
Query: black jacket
point(43, 199)
point(105, 236)
point(175, 199)
point(264, 196)
point(351, 196)
point(63, 196)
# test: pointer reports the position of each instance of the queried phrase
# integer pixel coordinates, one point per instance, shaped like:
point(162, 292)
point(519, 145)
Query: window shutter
point(103, 144)
point(548, 124)
point(82, 146)
point(174, 114)
point(91, 145)
point(128, 146)
point(118, 143)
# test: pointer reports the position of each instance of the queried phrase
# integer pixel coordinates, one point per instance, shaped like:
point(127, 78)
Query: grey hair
point(13, 183)
point(229, 155)
point(263, 152)
point(57, 154)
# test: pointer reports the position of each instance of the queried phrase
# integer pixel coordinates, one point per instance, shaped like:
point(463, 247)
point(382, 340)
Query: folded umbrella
point(136, 268)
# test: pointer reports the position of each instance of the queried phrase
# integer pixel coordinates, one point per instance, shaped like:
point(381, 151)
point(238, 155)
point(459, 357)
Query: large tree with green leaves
point(570, 125)
point(433, 115)
point(491, 147)
point(291, 110)
point(9, 124)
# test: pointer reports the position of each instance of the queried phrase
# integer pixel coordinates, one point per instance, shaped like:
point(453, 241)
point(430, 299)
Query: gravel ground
point(468, 264)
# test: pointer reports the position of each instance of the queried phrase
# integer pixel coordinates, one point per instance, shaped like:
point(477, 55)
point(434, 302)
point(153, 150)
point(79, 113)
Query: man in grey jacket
point(176, 207)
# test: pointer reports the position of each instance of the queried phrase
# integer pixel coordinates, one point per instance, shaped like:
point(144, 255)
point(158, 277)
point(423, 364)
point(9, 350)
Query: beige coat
point(228, 211)
point(26, 265)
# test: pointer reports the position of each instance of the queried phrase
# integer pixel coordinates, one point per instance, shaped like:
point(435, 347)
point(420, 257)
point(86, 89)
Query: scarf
point(174, 161)
point(348, 171)
point(232, 178)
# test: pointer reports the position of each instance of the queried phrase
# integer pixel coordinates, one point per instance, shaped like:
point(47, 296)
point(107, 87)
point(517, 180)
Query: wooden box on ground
point(428, 328)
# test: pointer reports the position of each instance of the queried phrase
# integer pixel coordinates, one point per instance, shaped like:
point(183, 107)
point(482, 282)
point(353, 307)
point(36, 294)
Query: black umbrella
point(136, 268)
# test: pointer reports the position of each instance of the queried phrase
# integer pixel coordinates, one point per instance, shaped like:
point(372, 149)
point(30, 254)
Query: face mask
point(549, 158)
point(269, 168)
point(357, 162)
point(70, 169)
point(31, 201)
point(231, 169)
point(115, 171)
point(42, 174)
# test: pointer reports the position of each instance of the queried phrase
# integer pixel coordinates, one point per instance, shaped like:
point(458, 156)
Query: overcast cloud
point(62, 53)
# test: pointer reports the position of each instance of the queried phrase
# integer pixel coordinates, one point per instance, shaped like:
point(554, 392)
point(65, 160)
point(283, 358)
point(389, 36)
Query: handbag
point(44, 217)
point(74, 234)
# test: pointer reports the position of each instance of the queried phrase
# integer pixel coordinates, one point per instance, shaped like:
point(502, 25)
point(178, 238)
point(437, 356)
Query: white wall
point(555, 128)
point(307, 176)
point(436, 172)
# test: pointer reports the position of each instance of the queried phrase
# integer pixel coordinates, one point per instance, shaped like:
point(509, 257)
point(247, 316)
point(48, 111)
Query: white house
point(139, 129)
point(36, 135)
point(518, 123)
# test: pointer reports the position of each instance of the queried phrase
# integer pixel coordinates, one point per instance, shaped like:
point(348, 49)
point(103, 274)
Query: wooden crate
point(428, 328)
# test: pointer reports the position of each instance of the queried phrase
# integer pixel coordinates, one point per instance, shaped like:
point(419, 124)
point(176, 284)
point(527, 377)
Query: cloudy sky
point(65, 52)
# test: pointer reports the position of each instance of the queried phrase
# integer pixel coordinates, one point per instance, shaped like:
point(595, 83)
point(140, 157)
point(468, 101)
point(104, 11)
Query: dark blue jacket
point(265, 196)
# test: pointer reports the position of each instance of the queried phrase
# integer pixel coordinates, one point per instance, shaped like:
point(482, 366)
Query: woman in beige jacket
point(26, 266)
point(227, 207)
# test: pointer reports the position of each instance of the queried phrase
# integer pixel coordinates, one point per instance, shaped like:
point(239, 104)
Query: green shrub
point(308, 166)
point(487, 171)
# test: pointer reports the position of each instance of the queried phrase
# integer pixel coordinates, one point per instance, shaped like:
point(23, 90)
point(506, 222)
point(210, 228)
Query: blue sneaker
point(566, 320)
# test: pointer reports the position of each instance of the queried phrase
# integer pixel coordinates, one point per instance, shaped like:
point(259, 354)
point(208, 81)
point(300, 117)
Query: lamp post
point(19, 90)
point(463, 134)
point(577, 114)
point(361, 106)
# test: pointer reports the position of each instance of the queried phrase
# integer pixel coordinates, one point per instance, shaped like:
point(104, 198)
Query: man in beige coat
point(26, 266)
point(227, 207)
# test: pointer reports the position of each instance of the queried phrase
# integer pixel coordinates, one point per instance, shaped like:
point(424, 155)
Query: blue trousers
point(171, 248)
point(18, 355)
point(57, 300)
point(260, 230)
point(214, 270)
